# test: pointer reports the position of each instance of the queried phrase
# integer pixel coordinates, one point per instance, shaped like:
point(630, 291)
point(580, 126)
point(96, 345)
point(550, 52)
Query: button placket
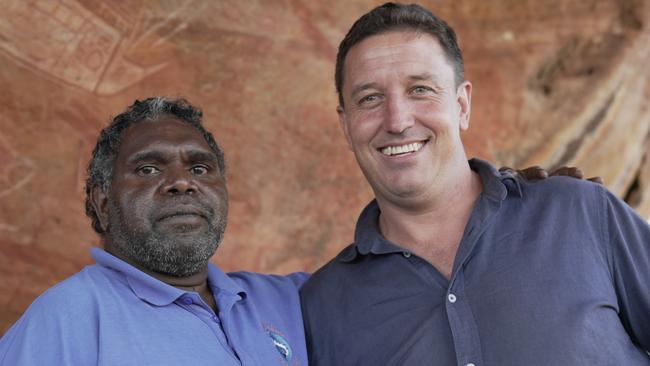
point(462, 323)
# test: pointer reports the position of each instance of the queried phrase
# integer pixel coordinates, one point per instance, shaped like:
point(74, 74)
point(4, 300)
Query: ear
point(99, 201)
point(464, 98)
point(343, 121)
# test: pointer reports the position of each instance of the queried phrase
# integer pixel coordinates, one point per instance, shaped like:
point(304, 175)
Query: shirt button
point(452, 299)
point(470, 364)
point(215, 319)
point(187, 300)
point(406, 254)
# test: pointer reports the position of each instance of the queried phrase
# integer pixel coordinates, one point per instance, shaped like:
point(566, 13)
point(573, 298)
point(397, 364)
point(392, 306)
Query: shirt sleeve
point(46, 334)
point(628, 236)
point(298, 278)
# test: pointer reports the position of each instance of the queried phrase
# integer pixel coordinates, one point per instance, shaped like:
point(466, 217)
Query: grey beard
point(179, 255)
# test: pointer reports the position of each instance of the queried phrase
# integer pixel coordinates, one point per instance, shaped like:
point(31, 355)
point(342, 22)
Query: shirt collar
point(496, 184)
point(368, 239)
point(156, 292)
point(220, 282)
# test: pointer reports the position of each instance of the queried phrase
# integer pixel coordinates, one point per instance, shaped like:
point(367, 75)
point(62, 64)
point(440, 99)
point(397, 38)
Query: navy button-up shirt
point(555, 272)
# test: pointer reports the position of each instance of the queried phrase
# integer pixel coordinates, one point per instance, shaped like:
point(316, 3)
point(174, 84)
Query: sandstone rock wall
point(555, 82)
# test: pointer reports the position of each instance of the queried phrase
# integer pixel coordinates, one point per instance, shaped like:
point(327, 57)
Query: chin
point(408, 186)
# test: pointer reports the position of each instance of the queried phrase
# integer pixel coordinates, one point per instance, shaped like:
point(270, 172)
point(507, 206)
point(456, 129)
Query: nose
point(178, 182)
point(398, 117)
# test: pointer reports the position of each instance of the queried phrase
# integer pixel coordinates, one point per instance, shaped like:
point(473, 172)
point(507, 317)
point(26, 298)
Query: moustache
point(183, 207)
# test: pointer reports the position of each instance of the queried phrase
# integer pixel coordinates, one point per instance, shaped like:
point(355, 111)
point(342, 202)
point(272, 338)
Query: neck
point(433, 229)
point(195, 282)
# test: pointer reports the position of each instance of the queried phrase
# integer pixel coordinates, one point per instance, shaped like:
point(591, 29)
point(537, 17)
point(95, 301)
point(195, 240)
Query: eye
point(148, 170)
point(199, 170)
point(420, 90)
point(369, 100)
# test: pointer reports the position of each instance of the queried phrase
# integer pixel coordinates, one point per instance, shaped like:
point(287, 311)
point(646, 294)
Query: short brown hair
point(392, 16)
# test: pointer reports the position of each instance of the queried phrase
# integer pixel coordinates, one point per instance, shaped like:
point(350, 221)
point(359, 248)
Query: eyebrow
point(159, 157)
point(156, 156)
point(202, 156)
point(423, 77)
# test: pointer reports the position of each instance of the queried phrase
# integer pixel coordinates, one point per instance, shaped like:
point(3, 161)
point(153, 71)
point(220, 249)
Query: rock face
point(555, 82)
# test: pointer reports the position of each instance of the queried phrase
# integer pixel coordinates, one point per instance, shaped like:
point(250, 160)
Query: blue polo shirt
point(111, 313)
point(555, 272)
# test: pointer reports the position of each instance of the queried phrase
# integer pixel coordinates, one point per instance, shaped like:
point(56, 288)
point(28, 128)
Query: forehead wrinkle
point(383, 51)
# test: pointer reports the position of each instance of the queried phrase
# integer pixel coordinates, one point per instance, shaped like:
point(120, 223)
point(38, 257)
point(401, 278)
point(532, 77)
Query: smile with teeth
point(402, 149)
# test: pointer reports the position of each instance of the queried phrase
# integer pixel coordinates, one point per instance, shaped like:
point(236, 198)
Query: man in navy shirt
point(156, 194)
point(453, 262)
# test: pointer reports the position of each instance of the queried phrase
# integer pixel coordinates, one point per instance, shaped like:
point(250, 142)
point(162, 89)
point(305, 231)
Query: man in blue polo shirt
point(156, 194)
point(455, 263)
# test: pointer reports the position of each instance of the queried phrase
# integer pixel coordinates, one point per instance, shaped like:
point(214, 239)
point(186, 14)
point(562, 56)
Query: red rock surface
point(555, 82)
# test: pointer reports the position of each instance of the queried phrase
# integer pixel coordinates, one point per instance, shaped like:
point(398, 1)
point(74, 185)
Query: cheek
point(130, 211)
point(216, 192)
point(440, 121)
point(218, 202)
point(218, 196)
point(135, 206)
point(365, 126)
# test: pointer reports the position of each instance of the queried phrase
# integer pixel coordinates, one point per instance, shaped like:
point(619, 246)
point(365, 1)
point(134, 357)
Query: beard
point(178, 254)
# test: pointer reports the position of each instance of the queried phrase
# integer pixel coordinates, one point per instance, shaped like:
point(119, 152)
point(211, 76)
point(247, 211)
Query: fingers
point(574, 172)
point(569, 171)
point(598, 180)
point(533, 173)
point(537, 173)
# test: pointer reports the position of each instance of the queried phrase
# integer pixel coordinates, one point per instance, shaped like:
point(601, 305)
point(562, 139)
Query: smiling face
point(403, 115)
point(167, 205)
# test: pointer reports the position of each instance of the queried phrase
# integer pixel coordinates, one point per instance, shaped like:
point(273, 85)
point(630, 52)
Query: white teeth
point(402, 149)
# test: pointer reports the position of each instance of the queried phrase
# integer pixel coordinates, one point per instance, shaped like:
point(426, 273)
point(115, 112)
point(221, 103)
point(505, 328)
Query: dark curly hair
point(391, 17)
point(100, 167)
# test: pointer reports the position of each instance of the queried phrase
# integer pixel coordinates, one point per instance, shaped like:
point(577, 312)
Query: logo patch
point(280, 343)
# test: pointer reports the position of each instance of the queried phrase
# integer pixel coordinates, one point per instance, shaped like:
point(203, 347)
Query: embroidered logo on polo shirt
point(279, 342)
